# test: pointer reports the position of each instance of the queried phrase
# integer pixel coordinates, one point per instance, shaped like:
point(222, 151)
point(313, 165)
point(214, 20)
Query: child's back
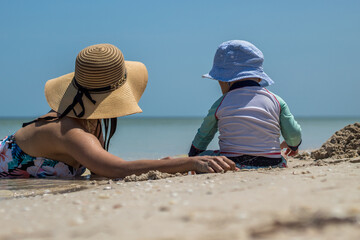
point(248, 121)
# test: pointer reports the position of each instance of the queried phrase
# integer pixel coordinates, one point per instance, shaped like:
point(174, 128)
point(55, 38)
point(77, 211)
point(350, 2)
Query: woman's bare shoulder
point(50, 136)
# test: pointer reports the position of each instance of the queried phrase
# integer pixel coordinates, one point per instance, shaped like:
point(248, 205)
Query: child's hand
point(288, 151)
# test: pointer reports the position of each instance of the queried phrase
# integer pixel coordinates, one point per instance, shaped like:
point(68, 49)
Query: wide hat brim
point(60, 93)
point(225, 76)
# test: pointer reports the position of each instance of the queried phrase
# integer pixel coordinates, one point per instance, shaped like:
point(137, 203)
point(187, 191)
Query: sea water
point(153, 138)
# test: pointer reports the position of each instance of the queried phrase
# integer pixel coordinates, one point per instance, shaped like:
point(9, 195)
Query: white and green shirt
point(249, 119)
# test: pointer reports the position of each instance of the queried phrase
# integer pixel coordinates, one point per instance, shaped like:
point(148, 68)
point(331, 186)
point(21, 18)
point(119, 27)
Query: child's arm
point(207, 130)
point(290, 129)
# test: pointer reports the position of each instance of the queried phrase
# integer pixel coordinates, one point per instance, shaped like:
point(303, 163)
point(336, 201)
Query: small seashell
point(104, 196)
point(164, 208)
point(187, 218)
point(77, 220)
point(77, 202)
point(93, 182)
point(27, 209)
point(116, 206)
point(242, 216)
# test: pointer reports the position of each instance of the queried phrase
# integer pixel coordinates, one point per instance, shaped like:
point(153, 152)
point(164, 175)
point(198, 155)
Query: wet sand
point(308, 200)
point(19, 188)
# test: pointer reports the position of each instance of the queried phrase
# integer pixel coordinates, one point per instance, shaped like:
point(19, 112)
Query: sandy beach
point(311, 199)
point(308, 200)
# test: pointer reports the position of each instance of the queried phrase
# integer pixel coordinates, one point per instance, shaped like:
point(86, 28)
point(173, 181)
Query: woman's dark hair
point(108, 126)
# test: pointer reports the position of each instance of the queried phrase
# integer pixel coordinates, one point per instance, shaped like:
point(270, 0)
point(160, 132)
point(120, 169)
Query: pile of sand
point(345, 143)
point(151, 175)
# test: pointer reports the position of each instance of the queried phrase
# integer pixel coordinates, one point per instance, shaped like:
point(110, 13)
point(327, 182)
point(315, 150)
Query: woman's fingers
point(214, 165)
point(220, 162)
point(230, 163)
point(226, 163)
point(209, 169)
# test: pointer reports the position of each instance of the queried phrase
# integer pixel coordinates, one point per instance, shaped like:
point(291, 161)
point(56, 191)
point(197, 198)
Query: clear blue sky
point(311, 48)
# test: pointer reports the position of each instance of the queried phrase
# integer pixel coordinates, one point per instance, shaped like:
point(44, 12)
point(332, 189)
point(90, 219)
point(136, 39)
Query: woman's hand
point(212, 164)
point(288, 151)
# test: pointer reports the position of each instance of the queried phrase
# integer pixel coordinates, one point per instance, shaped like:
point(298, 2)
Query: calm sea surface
point(139, 138)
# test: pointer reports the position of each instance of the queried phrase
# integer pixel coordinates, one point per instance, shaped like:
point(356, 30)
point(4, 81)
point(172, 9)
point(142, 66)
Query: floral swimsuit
point(15, 163)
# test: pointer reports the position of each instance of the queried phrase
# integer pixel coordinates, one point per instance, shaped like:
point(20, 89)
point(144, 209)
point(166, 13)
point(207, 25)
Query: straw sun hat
point(103, 85)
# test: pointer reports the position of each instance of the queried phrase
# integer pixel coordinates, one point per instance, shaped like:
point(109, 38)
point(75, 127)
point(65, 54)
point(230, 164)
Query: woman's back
point(48, 138)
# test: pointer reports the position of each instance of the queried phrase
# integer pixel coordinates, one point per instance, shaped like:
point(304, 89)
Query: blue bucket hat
point(235, 60)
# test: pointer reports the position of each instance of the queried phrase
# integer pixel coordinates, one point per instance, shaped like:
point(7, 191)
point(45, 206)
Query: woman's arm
point(87, 150)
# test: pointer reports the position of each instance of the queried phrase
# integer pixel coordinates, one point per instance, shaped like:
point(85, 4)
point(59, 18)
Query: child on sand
point(248, 116)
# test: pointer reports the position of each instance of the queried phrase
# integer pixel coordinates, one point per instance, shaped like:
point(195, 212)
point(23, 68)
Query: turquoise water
point(148, 138)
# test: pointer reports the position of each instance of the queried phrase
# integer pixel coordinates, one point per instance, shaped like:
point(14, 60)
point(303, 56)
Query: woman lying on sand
point(76, 133)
